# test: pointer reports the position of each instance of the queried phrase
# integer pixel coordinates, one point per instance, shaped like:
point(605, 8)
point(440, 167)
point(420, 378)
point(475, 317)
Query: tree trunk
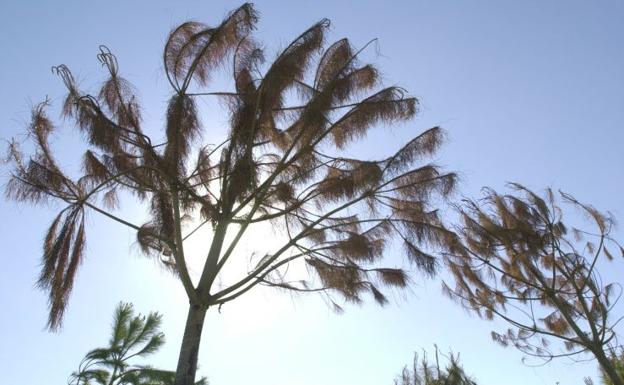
point(608, 368)
point(187, 361)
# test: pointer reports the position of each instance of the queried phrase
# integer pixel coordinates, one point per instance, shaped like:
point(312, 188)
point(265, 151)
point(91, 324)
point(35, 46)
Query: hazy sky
point(529, 91)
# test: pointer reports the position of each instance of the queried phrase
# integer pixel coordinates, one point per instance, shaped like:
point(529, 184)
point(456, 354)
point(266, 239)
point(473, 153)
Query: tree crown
point(518, 259)
point(280, 163)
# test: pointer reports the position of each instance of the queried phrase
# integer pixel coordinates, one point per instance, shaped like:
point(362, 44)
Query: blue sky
point(528, 91)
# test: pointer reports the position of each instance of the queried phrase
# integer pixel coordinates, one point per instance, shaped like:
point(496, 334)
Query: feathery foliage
point(424, 373)
point(617, 360)
point(131, 337)
point(518, 260)
point(280, 163)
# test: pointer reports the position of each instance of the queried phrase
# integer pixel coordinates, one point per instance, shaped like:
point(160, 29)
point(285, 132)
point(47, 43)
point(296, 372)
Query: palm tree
point(282, 162)
point(132, 337)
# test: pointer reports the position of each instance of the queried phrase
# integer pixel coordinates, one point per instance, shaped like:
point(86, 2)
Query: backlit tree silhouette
point(282, 162)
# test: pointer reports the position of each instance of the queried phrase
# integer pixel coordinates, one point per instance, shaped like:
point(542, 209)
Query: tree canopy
point(517, 258)
point(282, 162)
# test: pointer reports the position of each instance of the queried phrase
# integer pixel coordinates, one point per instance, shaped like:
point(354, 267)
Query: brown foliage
point(515, 258)
point(278, 163)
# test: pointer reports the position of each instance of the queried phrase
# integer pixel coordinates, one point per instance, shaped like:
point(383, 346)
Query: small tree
point(424, 373)
point(132, 337)
point(281, 162)
point(518, 260)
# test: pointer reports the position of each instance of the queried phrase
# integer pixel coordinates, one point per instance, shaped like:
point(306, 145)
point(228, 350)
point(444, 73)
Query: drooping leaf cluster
point(132, 337)
point(518, 260)
point(290, 118)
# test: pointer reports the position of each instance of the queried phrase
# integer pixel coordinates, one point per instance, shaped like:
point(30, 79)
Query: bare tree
point(280, 163)
point(516, 259)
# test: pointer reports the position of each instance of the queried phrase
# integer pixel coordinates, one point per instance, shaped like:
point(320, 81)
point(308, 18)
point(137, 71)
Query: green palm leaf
point(131, 337)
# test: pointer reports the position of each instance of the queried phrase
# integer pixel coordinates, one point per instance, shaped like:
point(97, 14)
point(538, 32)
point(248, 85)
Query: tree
point(517, 259)
point(424, 373)
point(617, 360)
point(131, 337)
point(282, 162)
